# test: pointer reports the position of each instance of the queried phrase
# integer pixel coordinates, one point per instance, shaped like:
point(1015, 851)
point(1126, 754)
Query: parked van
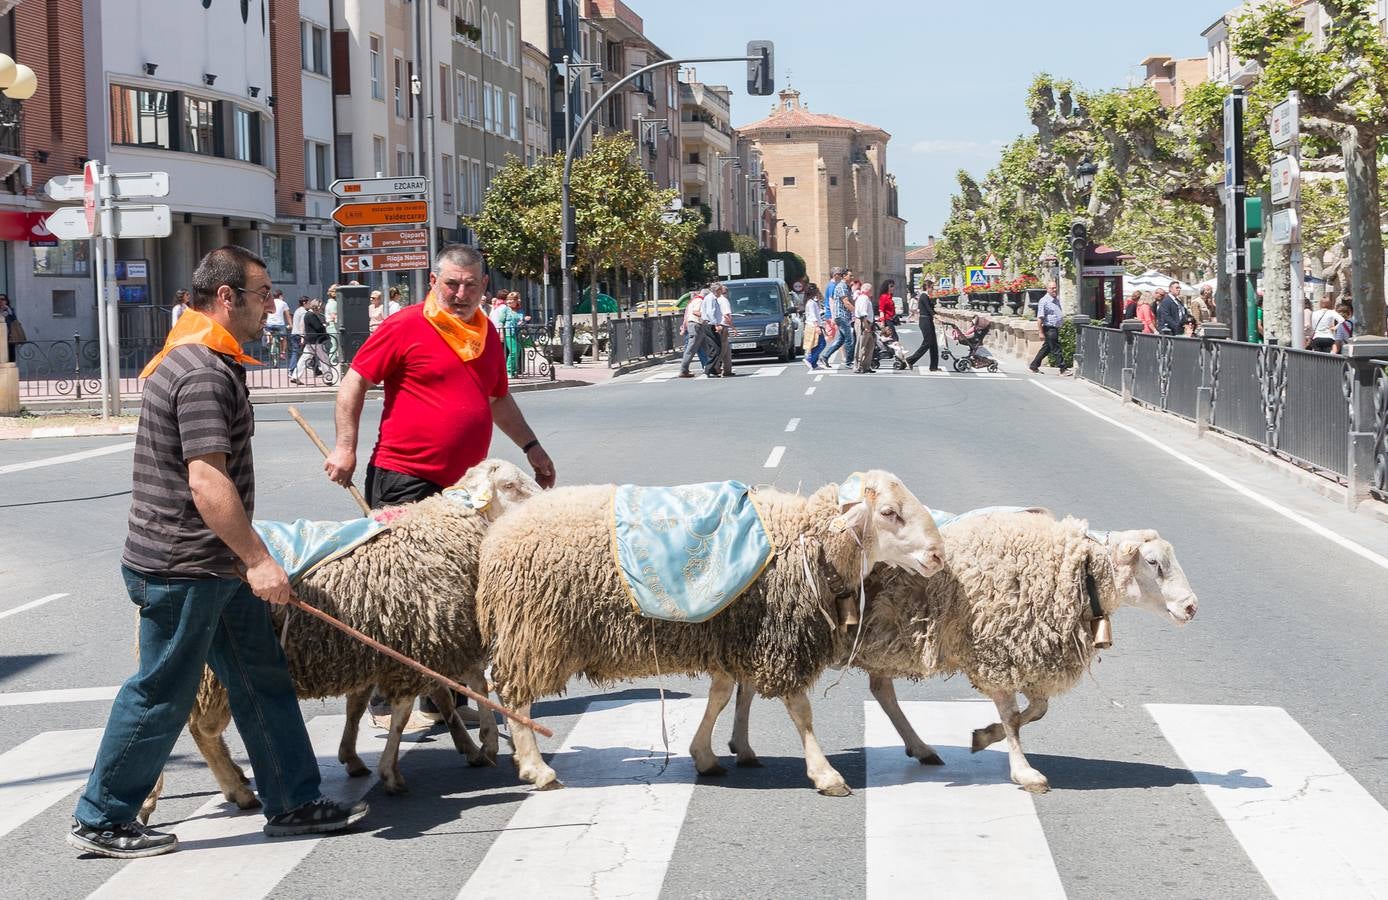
point(763, 318)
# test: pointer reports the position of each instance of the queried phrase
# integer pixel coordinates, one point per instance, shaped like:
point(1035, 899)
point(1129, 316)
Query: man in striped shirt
point(199, 573)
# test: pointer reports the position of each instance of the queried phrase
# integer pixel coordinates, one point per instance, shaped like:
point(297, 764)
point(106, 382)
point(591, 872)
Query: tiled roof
point(800, 117)
point(923, 253)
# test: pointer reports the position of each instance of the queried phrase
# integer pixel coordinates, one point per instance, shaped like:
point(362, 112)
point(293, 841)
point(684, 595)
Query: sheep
point(412, 589)
point(566, 611)
point(1012, 612)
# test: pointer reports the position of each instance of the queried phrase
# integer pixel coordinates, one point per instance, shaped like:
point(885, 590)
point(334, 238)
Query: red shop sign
point(26, 226)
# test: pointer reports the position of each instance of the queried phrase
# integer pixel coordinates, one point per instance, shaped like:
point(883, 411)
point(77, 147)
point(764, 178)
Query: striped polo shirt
point(195, 403)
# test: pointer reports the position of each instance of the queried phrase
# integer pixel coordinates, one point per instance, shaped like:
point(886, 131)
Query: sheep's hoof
point(930, 759)
point(713, 771)
point(838, 789)
point(396, 788)
point(749, 762)
point(356, 768)
point(984, 738)
point(1033, 782)
point(554, 785)
point(245, 799)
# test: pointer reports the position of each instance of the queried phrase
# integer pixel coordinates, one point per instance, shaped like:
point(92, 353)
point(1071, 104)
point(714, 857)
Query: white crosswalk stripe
point(1305, 824)
point(886, 370)
point(963, 829)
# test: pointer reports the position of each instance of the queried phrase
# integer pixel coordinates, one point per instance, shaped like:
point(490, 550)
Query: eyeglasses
point(263, 295)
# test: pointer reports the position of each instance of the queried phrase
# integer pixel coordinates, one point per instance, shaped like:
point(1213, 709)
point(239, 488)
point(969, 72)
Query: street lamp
point(785, 242)
point(848, 231)
point(722, 161)
point(17, 79)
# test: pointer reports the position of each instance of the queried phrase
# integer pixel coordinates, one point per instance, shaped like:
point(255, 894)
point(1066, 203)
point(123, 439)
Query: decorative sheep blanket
point(687, 552)
point(943, 518)
point(303, 545)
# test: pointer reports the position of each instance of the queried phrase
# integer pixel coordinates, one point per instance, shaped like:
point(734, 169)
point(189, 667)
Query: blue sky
point(946, 80)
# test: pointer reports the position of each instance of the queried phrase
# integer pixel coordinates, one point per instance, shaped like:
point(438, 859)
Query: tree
point(513, 227)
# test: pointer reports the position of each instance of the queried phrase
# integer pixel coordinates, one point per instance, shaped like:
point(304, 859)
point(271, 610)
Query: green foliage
point(1068, 334)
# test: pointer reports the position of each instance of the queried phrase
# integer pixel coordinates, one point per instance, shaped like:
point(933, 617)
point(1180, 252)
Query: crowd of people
point(1327, 325)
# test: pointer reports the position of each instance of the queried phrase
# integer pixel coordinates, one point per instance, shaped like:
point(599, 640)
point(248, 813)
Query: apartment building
point(1171, 77)
point(708, 164)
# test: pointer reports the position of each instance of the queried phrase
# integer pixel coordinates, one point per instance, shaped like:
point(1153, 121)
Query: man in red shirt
point(444, 372)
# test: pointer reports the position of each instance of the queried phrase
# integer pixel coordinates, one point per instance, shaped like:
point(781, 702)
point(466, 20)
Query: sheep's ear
point(852, 517)
point(1128, 551)
point(1148, 534)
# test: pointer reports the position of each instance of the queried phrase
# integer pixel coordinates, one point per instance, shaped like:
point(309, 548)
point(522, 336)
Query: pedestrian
point(1130, 308)
point(393, 304)
point(14, 331)
point(315, 350)
point(1146, 315)
point(863, 319)
point(296, 333)
point(840, 315)
point(1048, 316)
point(1202, 309)
point(203, 581)
point(814, 326)
point(886, 304)
point(1344, 332)
point(181, 306)
point(497, 312)
point(698, 335)
point(375, 312)
point(1324, 321)
point(720, 313)
point(1170, 311)
point(930, 342)
point(510, 332)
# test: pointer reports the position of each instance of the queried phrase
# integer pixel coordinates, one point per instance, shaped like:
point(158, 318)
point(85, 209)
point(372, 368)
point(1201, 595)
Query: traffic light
point(1079, 237)
point(761, 72)
point(1253, 229)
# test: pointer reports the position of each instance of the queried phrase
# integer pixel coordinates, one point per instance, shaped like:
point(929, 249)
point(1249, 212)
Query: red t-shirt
point(886, 306)
point(437, 421)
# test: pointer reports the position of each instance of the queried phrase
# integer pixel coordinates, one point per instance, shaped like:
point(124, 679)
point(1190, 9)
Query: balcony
point(704, 133)
point(694, 173)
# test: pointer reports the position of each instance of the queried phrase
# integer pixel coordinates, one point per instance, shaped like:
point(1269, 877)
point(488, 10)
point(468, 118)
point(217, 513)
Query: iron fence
point(1091, 354)
point(1379, 487)
point(1309, 406)
point(1146, 363)
point(638, 338)
point(1185, 372)
point(1236, 399)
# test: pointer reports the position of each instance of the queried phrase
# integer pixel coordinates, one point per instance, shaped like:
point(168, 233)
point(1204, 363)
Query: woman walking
point(814, 327)
point(509, 323)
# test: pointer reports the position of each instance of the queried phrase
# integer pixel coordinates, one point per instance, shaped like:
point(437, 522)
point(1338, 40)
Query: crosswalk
point(886, 371)
point(1306, 826)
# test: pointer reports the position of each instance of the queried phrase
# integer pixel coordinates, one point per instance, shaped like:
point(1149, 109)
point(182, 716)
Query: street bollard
point(1365, 355)
point(1129, 328)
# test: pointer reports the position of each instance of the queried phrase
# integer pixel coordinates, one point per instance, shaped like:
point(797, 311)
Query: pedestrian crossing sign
point(977, 276)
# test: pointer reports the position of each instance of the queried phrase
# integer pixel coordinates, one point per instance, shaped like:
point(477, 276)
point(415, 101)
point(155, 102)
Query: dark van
point(762, 321)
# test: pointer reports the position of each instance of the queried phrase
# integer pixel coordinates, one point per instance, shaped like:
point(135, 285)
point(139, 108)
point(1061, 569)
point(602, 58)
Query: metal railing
point(642, 337)
point(1379, 400)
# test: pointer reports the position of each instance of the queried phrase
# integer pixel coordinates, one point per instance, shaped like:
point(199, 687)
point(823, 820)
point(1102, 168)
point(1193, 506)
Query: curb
point(629, 368)
point(70, 431)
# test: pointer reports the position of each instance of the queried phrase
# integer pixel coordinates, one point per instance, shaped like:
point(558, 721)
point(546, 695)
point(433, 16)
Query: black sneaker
point(130, 841)
point(315, 817)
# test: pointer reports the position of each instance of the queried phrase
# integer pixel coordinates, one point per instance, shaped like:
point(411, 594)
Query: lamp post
point(785, 241)
point(19, 83)
point(1079, 234)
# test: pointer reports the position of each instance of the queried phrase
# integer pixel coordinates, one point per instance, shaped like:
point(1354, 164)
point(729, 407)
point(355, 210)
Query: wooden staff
point(318, 442)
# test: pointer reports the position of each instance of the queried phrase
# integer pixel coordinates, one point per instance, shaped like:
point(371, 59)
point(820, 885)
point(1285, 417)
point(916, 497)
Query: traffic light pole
point(566, 251)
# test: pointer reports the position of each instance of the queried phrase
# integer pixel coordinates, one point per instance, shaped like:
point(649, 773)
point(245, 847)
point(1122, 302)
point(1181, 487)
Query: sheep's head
point(496, 485)
point(1149, 577)
point(895, 528)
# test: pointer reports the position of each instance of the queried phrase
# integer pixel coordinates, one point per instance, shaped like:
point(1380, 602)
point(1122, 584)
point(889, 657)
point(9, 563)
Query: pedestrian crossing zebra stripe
point(949, 826)
point(42, 771)
point(612, 830)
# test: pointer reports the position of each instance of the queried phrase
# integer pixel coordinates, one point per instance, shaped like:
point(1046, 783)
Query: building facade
point(836, 203)
point(617, 40)
point(1171, 77)
point(706, 149)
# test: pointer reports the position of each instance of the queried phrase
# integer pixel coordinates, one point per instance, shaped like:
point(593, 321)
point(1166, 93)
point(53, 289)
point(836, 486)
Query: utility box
point(353, 321)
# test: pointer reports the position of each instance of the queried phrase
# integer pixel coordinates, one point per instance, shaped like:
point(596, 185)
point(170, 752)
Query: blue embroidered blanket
point(302, 546)
point(687, 552)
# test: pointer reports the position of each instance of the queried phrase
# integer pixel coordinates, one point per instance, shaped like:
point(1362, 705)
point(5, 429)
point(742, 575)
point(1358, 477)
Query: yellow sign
point(975, 276)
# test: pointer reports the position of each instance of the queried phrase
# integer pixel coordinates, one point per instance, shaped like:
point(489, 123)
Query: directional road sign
point(386, 262)
point(977, 276)
point(397, 212)
point(382, 240)
point(131, 220)
point(1285, 175)
point(377, 187)
point(91, 177)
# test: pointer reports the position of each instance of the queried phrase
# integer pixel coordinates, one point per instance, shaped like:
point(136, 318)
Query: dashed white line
point(65, 458)
point(30, 605)
point(818, 378)
point(809, 392)
point(774, 459)
point(67, 695)
point(792, 425)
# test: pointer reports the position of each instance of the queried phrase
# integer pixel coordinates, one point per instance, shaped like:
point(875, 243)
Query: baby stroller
point(889, 347)
point(976, 355)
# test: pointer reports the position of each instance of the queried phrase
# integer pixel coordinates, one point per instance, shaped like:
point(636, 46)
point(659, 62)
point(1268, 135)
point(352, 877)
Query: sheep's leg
point(487, 730)
point(825, 777)
point(885, 692)
point(235, 786)
point(347, 748)
point(389, 767)
point(739, 744)
point(147, 808)
point(985, 737)
point(530, 765)
point(701, 748)
point(1022, 772)
point(462, 741)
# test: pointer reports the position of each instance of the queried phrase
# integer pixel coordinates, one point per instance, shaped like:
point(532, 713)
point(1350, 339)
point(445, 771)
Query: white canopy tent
point(1150, 281)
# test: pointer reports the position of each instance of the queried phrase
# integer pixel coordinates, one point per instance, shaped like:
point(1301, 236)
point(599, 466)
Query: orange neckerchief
point(197, 328)
point(468, 339)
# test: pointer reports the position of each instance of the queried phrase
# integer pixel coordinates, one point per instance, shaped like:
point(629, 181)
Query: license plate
point(751, 346)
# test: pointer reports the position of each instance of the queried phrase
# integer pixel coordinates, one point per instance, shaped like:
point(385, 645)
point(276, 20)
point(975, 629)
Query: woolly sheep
point(566, 612)
point(1011, 612)
point(411, 588)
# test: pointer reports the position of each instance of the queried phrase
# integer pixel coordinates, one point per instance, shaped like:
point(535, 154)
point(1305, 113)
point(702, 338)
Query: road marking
point(768, 371)
point(42, 771)
point(818, 378)
point(611, 832)
point(71, 695)
point(809, 392)
point(1353, 547)
point(792, 425)
point(659, 377)
point(925, 370)
point(65, 458)
point(1308, 826)
point(964, 830)
point(31, 604)
point(223, 846)
point(774, 459)
point(990, 375)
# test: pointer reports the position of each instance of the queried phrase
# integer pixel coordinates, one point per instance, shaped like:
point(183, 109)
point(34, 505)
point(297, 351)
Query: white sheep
point(1011, 611)
point(411, 588)
point(552, 605)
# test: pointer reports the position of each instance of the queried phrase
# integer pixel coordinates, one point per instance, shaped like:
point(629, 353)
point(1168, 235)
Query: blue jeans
point(296, 347)
point(184, 623)
point(816, 351)
point(844, 340)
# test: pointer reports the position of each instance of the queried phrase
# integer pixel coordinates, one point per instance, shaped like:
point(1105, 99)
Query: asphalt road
point(1154, 795)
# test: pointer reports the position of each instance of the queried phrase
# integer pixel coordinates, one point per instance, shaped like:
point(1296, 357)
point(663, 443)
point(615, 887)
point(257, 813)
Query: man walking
point(1048, 317)
point(202, 579)
point(863, 321)
point(296, 332)
point(841, 314)
point(696, 335)
point(930, 341)
point(718, 311)
point(277, 324)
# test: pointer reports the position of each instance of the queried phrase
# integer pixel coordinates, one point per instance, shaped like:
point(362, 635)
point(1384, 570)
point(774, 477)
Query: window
point(140, 118)
point(445, 182)
point(341, 64)
point(399, 94)
point(694, 157)
point(316, 166)
point(402, 162)
point(342, 154)
point(314, 48)
point(833, 181)
point(199, 125)
point(460, 97)
point(64, 304)
point(444, 92)
point(513, 121)
point(511, 43)
point(278, 252)
point(378, 155)
point(461, 175)
point(788, 181)
point(487, 105)
point(245, 135)
point(476, 186)
point(496, 35)
point(68, 259)
point(313, 261)
point(498, 95)
point(472, 98)
point(377, 92)
point(486, 39)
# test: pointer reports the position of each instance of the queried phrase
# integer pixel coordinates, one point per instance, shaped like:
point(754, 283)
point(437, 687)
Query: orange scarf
point(194, 327)
point(468, 339)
